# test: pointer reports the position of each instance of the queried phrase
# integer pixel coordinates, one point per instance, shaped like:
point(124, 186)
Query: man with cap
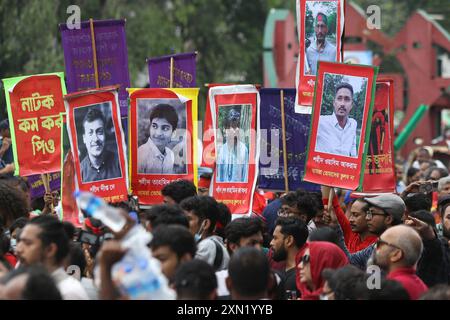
point(232, 159)
point(320, 49)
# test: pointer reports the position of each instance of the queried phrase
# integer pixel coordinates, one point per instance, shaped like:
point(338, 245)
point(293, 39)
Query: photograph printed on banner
point(320, 34)
point(233, 149)
point(341, 114)
point(161, 132)
point(97, 143)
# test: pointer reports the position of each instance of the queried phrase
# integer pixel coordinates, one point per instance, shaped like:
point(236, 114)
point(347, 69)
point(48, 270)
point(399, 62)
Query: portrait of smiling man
point(336, 133)
point(155, 156)
point(99, 163)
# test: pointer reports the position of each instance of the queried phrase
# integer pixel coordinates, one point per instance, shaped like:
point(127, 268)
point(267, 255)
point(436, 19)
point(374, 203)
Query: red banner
point(320, 25)
point(379, 176)
point(161, 141)
point(97, 143)
point(340, 124)
point(235, 111)
point(35, 104)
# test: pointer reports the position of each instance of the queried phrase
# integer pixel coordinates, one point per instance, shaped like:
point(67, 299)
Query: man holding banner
point(337, 132)
point(98, 164)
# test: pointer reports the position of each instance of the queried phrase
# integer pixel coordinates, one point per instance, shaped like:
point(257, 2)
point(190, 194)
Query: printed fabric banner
point(37, 189)
point(34, 104)
point(69, 209)
point(110, 51)
point(98, 143)
point(379, 176)
point(183, 73)
point(235, 118)
point(162, 134)
point(340, 125)
point(271, 162)
point(320, 25)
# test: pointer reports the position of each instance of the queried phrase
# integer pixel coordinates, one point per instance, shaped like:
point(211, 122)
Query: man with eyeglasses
point(336, 133)
point(397, 252)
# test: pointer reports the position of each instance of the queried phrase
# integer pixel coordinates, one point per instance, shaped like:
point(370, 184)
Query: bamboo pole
point(283, 129)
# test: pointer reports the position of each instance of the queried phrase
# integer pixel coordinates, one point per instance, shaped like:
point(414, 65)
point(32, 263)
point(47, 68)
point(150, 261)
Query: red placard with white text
point(235, 111)
point(97, 143)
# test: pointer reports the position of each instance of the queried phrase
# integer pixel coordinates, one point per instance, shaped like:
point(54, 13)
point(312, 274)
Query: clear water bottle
point(97, 208)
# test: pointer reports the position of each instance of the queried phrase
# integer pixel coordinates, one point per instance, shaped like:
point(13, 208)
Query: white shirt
point(328, 53)
point(151, 160)
point(206, 251)
point(232, 165)
point(332, 138)
point(69, 287)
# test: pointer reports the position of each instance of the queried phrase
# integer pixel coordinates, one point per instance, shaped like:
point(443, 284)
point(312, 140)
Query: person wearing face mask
point(232, 156)
point(202, 213)
point(154, 156)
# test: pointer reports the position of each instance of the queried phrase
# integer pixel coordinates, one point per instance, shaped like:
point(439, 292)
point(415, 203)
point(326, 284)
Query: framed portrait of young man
point(340, 124)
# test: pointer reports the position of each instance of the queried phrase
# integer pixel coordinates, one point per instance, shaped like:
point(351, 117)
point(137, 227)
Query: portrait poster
point(271, 161)
point(98, 143)
point(379, 175)
point(340, 125)
point(69, 208)
point(183, 73)
point(320, 26)
point(235, 118)
point(162, 135)
point(34, 104)
point(111, 57)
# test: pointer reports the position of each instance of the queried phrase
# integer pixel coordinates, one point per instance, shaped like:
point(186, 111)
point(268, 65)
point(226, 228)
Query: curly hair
point(13, 204)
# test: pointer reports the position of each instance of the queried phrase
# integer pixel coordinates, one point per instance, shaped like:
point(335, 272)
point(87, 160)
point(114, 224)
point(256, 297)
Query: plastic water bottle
point(97, 208)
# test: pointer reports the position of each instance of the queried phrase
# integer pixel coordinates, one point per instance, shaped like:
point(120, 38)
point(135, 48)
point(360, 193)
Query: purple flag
point(184, 67)
point(37, 185)
point(112, 57)
point(271, 163)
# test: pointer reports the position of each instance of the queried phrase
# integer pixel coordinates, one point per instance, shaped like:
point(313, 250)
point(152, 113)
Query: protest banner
point(340, 125)
point(34, 104)
point(37, 188)
point(320, 25)
point(96, 56)
point(97, 142)
point(69, 209)
point(235, 118)
point(173, 71)
point(163, 129)
point(379, 175)
point(272, 170)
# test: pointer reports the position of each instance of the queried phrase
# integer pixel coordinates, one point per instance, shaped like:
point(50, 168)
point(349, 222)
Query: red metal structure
point(416, 51)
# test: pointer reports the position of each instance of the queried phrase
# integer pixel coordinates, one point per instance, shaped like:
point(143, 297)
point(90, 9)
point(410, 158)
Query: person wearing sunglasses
point(397, 252)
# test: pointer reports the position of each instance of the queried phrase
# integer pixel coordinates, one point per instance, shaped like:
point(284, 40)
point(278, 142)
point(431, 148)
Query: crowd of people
point(297, 246)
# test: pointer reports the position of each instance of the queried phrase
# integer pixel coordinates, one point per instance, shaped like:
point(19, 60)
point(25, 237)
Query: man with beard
point(320, 49)
point(336, 133)
point(99, 163)
point(397, 252)
point(289, 236)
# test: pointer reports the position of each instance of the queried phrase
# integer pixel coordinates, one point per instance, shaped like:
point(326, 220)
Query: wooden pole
point(94, 53)
point(46, 181)
point(283, 129)
point(171, 72)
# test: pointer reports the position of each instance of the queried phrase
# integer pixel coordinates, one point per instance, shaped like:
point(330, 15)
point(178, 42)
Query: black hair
point(13, 204)
point(306, 204)
point(389, 290)
point(76, 257)
point(167, 112)
point(4, 124)
point(17, 182)
point(344, 281)
point(179, 190)
point(344, 85)
point(92, 115)
point(318, 199)
point(39, 284)
point(243, 228)
point(290, 199)
point(195, 280)
point(324, 234)
point(295, 227)
point(178, 238)
point(165, 215)
point(224, 219)
point(411, 172)
point(52, 231)
point(18, 223)
point(437, 292)
point(366, 205)
point(249, 272)
point(418, 201)
point(69, 228)
point(204, 207)
point(425, 216)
